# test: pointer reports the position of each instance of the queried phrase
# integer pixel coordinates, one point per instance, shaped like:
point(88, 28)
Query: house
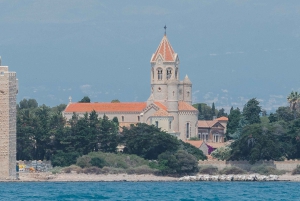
point(212, 131)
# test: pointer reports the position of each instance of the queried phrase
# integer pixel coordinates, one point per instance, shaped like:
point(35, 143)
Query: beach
point(74, 177)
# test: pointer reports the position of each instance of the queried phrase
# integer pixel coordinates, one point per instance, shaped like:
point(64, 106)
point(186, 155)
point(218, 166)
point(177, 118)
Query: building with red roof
point(212, 131)
point(168, 107)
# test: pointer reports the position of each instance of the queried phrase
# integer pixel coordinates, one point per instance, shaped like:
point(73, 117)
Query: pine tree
point(213, 110)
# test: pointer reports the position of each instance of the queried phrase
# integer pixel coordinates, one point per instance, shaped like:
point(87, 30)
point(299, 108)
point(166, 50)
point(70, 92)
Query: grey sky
point(232, 50)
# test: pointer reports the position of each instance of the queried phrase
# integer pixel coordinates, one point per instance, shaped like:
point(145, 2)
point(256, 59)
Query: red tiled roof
point(165, 50)
point(161, 113)
point(222, 119)
point(195, 143)
point(106, 107)
point(207, 124)
point(160, 105)
point(186, 107)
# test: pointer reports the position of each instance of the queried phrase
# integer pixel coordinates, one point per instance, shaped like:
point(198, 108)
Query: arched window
point(176, 72)
point(159, 74)
point(169, 73)
point(188, 94)
point(122, 118)
point(187, 130)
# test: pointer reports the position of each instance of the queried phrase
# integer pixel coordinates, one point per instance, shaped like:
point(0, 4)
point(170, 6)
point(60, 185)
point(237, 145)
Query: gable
point(218, 125)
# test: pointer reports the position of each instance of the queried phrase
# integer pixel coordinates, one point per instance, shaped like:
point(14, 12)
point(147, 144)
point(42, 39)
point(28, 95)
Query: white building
point(8, 93)
point(168, 107)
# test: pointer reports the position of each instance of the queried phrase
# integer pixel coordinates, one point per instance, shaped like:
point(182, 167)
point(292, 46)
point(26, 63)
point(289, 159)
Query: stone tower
point(164, 67)
point(8, 93)
point(165, 79)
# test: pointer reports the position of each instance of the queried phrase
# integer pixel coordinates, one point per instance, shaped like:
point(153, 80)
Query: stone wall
point(38, 166)
point(287, 165)
point(8, 91)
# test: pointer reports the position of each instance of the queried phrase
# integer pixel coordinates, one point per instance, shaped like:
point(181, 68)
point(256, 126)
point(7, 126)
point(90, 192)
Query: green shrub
point(119, 160)
point(92, 170)
point(83, 161)
point(64, 159)
point(208, 169)
point(232, 170)
point(266, 170)
point(296, 170)
point(56, 170)
point(222, 153)
point(71, 168)
point(192, 150)
point(98, 162)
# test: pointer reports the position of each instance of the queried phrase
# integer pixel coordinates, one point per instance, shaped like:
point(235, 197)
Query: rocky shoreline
point(74, 177)
point(251, 177)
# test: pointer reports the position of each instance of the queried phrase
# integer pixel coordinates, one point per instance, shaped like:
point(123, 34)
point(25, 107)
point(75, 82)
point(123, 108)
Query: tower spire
point(165, 27)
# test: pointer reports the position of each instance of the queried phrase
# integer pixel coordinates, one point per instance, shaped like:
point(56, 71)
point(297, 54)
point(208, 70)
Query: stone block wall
point(39, 166)
point(8, 91)
point(287, 165)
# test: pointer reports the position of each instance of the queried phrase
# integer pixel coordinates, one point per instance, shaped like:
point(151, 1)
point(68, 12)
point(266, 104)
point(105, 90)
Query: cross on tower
point(165, 27)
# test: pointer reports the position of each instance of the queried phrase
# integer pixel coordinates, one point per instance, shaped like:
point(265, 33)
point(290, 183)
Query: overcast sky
point(232, 50)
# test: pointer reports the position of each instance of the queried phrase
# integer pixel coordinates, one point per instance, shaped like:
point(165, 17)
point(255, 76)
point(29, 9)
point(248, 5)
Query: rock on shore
point(251, 177)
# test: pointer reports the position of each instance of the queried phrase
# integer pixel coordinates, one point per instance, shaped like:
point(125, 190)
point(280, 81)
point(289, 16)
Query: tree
point(233, 121)
point(177, 163)
point(30, 103)
point(205, 113)
point(192, 150)
point(200, 116)
point(148, 141)
point(213, 110)
point(294, 99)
point(85, 99)
point(115, 101)
point(284, 114)
point(238, 132)
point(251, 111)
point(115, 119)
point(108, 140)
point(222, 113)
point(256, 143)
point(221, 153)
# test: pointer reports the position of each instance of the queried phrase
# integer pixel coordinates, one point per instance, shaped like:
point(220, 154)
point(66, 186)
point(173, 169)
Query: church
point(169, 106)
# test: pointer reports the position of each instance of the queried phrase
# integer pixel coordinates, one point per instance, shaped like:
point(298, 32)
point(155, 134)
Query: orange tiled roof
point(161, 113)
point(195, 143)
point(222, 119)
point(165, 50)
point(160, 105)
point(207, 124)
point(184, 106)
point(106, 107)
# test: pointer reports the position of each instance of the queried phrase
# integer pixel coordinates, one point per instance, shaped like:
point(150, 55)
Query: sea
point(184, 191)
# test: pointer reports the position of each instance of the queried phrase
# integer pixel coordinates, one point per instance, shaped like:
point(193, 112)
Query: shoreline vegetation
point(102, 151)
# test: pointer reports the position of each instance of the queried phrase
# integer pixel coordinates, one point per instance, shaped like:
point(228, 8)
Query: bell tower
point(164, 67)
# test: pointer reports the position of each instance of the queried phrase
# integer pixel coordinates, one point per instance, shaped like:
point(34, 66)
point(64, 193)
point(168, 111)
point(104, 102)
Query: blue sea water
point(184, 191)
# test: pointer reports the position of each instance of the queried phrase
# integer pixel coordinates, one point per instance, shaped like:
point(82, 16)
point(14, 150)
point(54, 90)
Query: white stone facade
point(8, 93)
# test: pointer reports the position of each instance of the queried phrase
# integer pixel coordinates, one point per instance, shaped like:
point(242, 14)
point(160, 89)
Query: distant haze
point(232, 50)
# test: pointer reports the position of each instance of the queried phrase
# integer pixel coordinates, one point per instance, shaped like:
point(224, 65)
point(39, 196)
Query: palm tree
point(294, 99)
